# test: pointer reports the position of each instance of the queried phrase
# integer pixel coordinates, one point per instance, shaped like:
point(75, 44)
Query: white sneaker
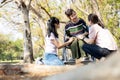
point(85, 59)
point(38, 61)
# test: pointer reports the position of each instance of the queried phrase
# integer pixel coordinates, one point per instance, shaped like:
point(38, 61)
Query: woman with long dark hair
point(100, 42)
point(52, 43)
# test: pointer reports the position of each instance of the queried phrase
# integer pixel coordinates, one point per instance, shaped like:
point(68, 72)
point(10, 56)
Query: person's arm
point(85, 39)
point(85, 33)
point(60, 45)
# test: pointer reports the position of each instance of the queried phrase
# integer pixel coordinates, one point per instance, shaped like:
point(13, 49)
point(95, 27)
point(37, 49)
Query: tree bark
point(28, 48)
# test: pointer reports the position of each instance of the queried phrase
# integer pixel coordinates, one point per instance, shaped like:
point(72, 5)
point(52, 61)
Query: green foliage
point(0, 15)
point(38, 42)
point(107, 8)
point(10, 49)
point(109, 12)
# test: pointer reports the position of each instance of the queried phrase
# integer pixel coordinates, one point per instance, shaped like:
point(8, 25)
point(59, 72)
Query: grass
point(9, 61)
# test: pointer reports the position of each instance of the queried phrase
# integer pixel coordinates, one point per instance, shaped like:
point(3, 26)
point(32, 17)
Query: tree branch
point(82, 10)
point(96, 9)
point(45, 11)
point(29, 4)
point(36, 12)
point(4, 3)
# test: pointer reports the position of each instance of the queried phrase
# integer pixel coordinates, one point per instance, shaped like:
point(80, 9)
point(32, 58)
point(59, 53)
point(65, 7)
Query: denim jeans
point(95, 50)
point(51, 59)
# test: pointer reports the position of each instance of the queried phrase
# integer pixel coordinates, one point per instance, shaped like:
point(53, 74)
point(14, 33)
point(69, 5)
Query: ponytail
point(100, 24)
point(95, 20)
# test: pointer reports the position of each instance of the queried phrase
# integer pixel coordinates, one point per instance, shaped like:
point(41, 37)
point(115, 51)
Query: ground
point(31, 71)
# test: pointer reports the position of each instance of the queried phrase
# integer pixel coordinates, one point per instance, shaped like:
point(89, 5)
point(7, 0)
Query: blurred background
point(12, 27)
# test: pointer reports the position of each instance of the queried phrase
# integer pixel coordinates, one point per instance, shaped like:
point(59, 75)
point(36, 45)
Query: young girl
point(52, 43)
point(100, 42)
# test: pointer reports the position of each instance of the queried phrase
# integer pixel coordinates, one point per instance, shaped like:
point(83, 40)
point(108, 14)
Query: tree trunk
point(28, 49)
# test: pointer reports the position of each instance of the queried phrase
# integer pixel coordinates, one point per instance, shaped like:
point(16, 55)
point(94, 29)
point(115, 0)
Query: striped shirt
point(73, 29)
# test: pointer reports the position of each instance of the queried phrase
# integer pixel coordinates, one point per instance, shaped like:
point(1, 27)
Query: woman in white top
point(52, 43)
point(100, 42)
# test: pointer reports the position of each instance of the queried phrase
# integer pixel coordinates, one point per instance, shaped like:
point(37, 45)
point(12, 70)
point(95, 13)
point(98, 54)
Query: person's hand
point(66, 39)
point(70, 39)
point(80, 36)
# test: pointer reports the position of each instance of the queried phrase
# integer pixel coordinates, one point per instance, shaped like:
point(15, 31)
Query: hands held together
point(80, 37)
point(69, 41)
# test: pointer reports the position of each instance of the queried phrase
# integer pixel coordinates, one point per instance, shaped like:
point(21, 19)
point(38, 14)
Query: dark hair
point(51, 26)
point(94, 19)
point(69, 12)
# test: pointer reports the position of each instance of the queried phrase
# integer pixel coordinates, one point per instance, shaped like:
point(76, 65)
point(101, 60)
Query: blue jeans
point(95, 50)
point(51, 59)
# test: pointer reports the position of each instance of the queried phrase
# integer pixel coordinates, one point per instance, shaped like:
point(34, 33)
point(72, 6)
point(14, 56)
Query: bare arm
point(85, 39)
point(89, 41)
point(85, 33)
point(60, 45)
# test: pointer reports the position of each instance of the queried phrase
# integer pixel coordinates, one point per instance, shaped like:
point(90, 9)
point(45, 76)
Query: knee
point(74, 42)
point(84, 46)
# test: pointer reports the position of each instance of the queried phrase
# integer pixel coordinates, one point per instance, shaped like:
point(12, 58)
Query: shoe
point(70, 62)
point(86, 59)
point(39, 61)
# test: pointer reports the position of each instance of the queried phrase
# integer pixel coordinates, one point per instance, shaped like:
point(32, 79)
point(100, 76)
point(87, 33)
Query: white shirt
point(102, 37)
point(49, 46)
